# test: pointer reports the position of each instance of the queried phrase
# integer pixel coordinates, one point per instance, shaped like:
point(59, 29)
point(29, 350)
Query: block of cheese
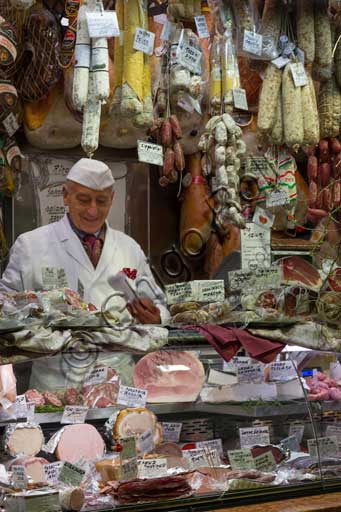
point(290, 389)
point(239, 392)
point(23, 439)
point(34, 467)
point(81, 441)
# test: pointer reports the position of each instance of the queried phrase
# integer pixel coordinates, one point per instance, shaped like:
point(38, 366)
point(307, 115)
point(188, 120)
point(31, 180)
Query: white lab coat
point(57, 246)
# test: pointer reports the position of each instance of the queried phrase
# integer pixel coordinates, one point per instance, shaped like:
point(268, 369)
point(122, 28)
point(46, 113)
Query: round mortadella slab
point(81, 441)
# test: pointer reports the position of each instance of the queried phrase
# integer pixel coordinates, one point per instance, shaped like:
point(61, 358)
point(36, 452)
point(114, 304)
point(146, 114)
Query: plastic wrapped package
point(229, 70)
point(270, 28)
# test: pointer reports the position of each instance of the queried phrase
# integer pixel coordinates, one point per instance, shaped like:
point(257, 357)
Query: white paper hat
point(91, 173)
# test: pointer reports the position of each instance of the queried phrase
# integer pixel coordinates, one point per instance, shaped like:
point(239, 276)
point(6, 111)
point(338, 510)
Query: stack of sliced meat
point(152, 489)
point(323, 388)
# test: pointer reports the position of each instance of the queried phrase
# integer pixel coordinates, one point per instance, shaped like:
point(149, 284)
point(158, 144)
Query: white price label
point(20, 406)
point(265, 462)
point(132, 397)
point(74, 414)
point(129, 470)
point(280, 62)
point(210, 291)
point(149, 153)
point(334, 431)
point(298, 74)
point(328, 446)
point(213, 444)
point(290, 443)
point(202, 27)
point(144, 41)
point(277, 197)
point(252, 42)
point(96, 376)
point(251, 373)
point(19, 476)
point(71, 475)
point(241, 459)
point(11, 124)
point(251, 436)
point(171, 431)
point(31, 407)
point(103, 24)
point(263, 218)
point(256, 247)
point(179, 292)
point(200, 457)
point(297, 430)
point(51, 472)
point(282, 371)
point(146, 442)
point(239, 99)
point(152, 468)
point(190, 58)
point(54, 277)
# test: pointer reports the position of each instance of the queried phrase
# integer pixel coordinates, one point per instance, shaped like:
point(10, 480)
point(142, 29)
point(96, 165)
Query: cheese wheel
point(79, 441)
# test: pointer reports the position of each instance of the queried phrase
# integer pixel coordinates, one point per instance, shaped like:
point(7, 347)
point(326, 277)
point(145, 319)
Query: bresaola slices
point(22, 439)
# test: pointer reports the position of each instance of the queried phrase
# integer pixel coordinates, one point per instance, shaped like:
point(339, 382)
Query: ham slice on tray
point(79, 441)
point(298, 271)
point(170, 376)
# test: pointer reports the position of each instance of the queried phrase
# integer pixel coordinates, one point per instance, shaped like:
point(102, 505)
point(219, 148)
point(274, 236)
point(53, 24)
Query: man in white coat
point(81, 251)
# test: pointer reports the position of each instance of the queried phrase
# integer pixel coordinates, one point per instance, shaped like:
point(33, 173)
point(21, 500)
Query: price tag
point(251, 373)
point(199, 457)
point(96, 376)
point(258, 166)
point(220, 378)
point(19, 477)
point(144, 41)
point(256, 280)
point(282, 371)
point(171, 431)
point(20, 407)
point(128, 448)
point(11, 124)
point(190, 58)
point(71, 475)
point(152, 468)
point(209, 291)
point(202, 28)
point(54, 277)
point(213, 444)
point(328, 446)
point(265, 462)
point(277, 197)
point(241, 459)
point(132, 397)
point(129, 470)
point(31, 407)
point(263, 218)
point(334, 431)
point(51, 472)
point(296, 429)
point(239, 99)
point(74, 414)
point(252, 43)
point(280, 62)
point(255, 245)
point(179, 292)
point(149, 153)
point(103, 24)
point(47, 502)
point(298, 74)
point(291, 443)
point(251, 436)
point(146, 442)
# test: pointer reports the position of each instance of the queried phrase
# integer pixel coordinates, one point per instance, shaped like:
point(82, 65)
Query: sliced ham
point(80, 441)
point(34, 467)
point(8, 389)
point(170, 376)
point(297, 271)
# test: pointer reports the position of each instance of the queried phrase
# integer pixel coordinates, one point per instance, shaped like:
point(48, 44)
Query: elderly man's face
point(88, 208)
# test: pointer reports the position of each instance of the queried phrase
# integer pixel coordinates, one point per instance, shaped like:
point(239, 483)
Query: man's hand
point(144, 311)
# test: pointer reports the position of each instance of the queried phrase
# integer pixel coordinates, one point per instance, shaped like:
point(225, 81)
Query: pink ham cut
point(79, 441)
point(297, 271)
point(170, 376)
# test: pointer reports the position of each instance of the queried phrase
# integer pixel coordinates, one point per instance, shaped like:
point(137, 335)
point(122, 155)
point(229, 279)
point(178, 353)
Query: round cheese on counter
point(81, 441)
point(23, 439)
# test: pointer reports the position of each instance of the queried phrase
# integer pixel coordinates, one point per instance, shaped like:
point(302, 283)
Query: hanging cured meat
point(297, 270)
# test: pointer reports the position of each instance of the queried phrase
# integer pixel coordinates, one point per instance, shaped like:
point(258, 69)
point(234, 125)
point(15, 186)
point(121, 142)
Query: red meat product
point(335, 393)
point(79, 441)
point(33, 395)
point(153, 489)
point(170, 376)
point(72, 396)
point(321, 376)
point(34, 467)
point(52, 399)
point(102, 395)
point(320, 396)
point(298, 271)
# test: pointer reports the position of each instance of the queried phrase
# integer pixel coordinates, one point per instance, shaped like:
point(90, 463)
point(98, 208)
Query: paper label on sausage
point(74, 414)
point(82, 56)
point(103, 24)
point(190, 58)
point(152, 468)
point(252, 42)
point(202, 28)
point(256, 247)
point(132, 397)
point(280, 62)
point(171, 431)
point(298, 74)
point(250, 436)
point(71, 475)
point(144, 41)
point(239, 99)
point(265, 462)
point(241, 459)
point(149, 153)
point(328, 446)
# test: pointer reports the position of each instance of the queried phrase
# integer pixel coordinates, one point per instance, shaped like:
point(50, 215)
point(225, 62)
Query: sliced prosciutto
point(170, 376)
point(297, 271)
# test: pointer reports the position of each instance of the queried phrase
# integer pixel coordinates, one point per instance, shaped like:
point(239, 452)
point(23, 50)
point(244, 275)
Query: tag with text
point(265, 462)
point(328, 446)
point(132, 397)
point(51, 472)
point(239, 99)
point(74, 414)
point(171, 431)
point(144, 41)
point(241, 459)
point(252, 42)
point(202, 29)
point(103, 24)
point(298, 74)
point(71, 475)
point(253, 435)
point(152, 468)
point(282, 371)
point(255, 246)
point(149, 153)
